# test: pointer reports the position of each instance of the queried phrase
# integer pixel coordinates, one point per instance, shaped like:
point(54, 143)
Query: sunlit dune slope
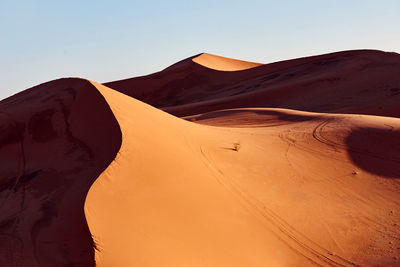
point(55, 140)
point(290, 189)
point(359, 81)
point(222, 63)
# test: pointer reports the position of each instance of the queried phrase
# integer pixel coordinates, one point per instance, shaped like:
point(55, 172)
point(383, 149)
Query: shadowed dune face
point(55, 139)
point(361, 81)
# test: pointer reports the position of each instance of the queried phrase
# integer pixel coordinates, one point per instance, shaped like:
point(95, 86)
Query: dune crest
point(223, 63)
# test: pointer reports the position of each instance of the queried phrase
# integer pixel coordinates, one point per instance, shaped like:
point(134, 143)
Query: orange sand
point(297, 190)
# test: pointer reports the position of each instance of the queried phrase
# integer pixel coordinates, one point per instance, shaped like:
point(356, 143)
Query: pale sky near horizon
point(42, 40)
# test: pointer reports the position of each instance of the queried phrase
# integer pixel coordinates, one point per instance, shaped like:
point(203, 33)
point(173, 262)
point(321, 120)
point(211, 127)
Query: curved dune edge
point(179, 194)
point(223, 63)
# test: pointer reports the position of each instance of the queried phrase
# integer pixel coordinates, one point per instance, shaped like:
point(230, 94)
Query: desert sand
point(95, 177)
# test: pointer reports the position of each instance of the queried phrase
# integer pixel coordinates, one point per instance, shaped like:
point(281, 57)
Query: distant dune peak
point(223, 63)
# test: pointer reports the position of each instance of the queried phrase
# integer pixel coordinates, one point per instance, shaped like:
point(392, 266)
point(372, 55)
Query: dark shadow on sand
point(376, 151)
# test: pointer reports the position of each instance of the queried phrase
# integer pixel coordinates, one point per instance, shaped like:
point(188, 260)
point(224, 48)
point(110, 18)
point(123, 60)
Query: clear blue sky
point(100, 40)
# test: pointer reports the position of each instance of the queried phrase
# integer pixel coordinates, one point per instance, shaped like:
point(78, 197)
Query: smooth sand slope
point(55, 140)
point(360, 81)
point(288, 189)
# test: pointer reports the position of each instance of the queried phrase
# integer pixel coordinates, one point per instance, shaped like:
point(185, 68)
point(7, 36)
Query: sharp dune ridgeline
point(210, 162)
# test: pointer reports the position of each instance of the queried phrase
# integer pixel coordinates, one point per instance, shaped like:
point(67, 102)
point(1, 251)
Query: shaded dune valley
point(209, 162)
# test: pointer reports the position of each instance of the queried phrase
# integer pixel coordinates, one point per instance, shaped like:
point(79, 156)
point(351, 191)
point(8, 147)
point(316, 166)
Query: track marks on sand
point(288, 234)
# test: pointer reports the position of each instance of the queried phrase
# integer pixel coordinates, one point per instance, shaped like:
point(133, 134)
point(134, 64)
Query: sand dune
point(299, 190)
point(360, 82)
point(90, 176)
